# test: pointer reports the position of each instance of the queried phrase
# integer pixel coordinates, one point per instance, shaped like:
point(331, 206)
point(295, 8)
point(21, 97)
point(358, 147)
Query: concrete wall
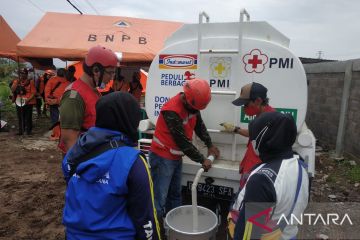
point(325, 96)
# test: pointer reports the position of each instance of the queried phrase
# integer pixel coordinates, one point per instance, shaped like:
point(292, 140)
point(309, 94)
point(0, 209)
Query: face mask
point(251, 111)
point(254, 143)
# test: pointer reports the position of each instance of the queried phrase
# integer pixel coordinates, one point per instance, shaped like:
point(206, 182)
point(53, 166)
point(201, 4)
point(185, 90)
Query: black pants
point(38, 106)
point(25, 118)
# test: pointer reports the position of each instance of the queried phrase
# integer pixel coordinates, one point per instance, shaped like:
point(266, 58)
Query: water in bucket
point(180, 224)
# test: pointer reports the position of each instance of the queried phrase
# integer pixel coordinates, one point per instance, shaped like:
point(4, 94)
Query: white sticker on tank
point(220, 72)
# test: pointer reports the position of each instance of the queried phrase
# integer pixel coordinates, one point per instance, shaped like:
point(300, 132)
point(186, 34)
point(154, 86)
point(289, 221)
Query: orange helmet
point(98, 54)
point(197, 93)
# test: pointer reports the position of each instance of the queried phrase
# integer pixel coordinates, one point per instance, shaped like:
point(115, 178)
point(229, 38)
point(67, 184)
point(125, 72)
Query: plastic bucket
point(179, 222)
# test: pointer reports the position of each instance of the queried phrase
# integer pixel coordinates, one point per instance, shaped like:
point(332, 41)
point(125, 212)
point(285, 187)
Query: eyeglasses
point(111, 73)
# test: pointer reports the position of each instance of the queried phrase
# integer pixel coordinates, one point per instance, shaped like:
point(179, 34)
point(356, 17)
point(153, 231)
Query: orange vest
point(163, 143)
point(29, 88)
point(90, 97)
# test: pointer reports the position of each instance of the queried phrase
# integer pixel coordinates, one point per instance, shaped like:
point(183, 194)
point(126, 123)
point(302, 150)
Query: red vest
point(163, 143)
point(90, 97)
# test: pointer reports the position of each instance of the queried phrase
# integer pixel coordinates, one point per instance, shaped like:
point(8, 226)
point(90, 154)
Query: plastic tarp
point(8, 40)
point(69, 36)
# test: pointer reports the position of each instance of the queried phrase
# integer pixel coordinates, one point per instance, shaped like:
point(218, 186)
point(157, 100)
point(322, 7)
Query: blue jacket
point(109, 196)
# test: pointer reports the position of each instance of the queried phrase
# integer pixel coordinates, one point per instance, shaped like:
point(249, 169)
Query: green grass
point(344, 171)
point(4, 91)
point(353, 174)
point(8, 109)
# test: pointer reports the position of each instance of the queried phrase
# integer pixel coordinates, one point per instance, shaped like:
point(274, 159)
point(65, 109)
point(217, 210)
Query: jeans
point(54, 113)
point(166, 175)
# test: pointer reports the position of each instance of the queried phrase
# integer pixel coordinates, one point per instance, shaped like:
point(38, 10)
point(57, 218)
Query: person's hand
point(228, 127)
point(206, 165)
point(213, 151)
point(51, 101)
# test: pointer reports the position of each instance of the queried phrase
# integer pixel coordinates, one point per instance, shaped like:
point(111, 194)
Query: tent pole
point(22, 127)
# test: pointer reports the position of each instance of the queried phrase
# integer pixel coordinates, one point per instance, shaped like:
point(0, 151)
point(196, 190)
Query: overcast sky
point(330, 26)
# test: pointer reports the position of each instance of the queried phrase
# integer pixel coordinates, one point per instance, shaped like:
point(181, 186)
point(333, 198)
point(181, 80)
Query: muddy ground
point(32, 187)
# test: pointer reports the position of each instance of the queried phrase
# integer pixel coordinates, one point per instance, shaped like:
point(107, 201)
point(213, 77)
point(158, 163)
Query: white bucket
point(180, 223)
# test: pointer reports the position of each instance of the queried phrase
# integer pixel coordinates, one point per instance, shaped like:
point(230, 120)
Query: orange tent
point(69, 36)
point(8, 40)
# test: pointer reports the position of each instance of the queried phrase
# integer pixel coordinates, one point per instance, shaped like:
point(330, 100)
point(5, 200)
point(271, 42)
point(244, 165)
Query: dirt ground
point(32, 187)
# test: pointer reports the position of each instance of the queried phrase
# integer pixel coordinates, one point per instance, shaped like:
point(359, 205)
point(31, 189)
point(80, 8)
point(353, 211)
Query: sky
point(329, 26)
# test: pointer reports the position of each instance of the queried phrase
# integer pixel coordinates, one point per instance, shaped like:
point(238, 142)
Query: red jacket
point(163, 143)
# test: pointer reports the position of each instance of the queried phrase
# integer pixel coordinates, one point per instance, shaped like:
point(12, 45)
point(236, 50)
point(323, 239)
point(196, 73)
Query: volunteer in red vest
point(178, 119)
point(253, 97)
point(77, 106)
point(24, 96)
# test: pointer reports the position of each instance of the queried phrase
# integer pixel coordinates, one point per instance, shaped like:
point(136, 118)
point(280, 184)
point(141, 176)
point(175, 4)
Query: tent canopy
point(69, 36)
point(8, 40)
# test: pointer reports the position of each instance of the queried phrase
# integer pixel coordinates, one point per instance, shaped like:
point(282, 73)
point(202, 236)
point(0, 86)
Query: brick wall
point(352, 133)
point(326, 82)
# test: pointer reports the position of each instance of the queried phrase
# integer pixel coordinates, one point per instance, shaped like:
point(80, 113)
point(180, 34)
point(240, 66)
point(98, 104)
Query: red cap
point(103, 56)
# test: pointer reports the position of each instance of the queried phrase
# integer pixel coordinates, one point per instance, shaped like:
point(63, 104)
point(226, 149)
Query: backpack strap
point(298, 187)
point(96, 152)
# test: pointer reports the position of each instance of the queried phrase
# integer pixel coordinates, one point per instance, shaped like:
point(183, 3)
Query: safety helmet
point(197, 93)
point(101, 55)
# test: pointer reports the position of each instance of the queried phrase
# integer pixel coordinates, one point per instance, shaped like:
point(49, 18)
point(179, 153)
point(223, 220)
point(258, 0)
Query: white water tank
point(228, 56)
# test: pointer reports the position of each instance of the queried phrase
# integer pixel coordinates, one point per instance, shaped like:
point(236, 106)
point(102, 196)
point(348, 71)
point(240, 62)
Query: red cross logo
point(255, 61)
